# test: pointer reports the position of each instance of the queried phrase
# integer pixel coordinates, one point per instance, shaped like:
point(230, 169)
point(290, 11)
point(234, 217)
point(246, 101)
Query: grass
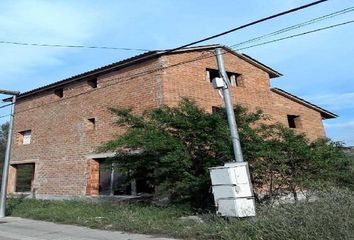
point(330, 217)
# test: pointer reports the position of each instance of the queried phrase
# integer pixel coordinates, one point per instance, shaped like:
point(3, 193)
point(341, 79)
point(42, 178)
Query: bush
point(171, 148)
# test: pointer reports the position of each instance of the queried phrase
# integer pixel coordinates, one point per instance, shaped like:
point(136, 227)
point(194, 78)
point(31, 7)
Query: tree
point(172, 148)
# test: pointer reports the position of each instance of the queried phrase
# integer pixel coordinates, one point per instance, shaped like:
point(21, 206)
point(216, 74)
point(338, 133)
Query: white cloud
point(333, 101)
point(40, 22)
point(340, 125)
point(341, 132)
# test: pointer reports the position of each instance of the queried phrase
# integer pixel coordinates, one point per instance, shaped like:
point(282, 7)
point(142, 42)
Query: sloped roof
point(324, 113)
point(142, 58)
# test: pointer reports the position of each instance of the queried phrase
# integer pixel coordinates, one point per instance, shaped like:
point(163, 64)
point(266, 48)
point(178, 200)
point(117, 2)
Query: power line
point(296, 35)
point(249, 24)
point(4, 116)
point(6, 105)
point(72, 46)
point(296, 26)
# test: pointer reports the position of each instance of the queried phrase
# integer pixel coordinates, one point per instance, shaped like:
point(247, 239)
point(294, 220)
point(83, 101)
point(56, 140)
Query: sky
point(317, 67)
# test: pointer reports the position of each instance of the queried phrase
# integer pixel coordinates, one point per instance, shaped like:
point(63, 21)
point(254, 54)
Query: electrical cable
point(296, 26)
point(6, 105)
point(248, 25)
point(295, 35)
point(72, 46)
point(4, 116)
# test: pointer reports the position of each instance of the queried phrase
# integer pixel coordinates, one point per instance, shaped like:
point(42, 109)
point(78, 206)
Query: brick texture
point(61, 140)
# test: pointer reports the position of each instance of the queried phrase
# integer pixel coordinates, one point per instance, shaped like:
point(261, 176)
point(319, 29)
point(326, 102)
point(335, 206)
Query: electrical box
point(218, 83)
point(232, 190)
point(238, 207)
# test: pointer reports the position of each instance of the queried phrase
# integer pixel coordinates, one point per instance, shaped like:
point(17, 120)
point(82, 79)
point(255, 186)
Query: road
point(24, 229)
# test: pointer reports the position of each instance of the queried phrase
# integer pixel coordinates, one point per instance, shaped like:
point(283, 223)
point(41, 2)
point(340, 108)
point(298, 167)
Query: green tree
point(172, 148)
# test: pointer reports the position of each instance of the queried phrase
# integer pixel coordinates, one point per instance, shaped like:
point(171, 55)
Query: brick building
point(58, 127)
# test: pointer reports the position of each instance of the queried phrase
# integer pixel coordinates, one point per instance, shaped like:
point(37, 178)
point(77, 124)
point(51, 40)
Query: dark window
point(59, 92)
point(113, 182)
point(92, 82)
point(24, 177)
point(233, 77)
point(294, 121)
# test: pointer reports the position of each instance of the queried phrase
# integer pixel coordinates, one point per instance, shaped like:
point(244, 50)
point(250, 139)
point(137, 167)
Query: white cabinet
point(238, 207)
point(232, 190)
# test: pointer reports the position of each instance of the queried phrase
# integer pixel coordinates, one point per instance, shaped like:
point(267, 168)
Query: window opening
point(112, 182)
point(294, 121)
point(24, 138)
point(233, 77)
point(91, 124)
point(92, 82)
point(59, 92)
point(24, 177)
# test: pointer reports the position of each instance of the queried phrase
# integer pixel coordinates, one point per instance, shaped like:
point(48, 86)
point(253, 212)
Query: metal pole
point(5, 173)
point(112, 179)
point(229, 107)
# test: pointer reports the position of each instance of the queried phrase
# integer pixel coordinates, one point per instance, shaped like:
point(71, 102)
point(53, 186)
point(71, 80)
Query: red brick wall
point(189, 80)
point(61, 141)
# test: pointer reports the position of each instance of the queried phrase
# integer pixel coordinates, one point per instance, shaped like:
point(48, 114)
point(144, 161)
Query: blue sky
point(317, 67)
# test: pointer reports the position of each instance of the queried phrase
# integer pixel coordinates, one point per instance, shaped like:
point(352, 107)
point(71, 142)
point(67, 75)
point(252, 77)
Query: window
point(113, 182)
point(233, 77)
point(24, 177)
point(294, 121)
point(91, 124)
point(24, 138)
point(59, 92)
point(92, 82)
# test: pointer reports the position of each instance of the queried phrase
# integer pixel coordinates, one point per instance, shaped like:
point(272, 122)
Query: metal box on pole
point(232, 190)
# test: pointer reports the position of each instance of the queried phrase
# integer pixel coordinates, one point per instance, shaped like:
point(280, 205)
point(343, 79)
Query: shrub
point(172, 148)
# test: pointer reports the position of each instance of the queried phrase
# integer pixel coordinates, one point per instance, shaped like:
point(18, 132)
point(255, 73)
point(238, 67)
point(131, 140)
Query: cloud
point(333, 101)
point(341, 129)
point(40, 22)
point(341, 132)
point(340, 125)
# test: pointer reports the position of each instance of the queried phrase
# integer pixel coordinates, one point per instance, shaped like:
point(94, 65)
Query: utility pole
point(229, 107)
point(6, 165)
point(231, 183)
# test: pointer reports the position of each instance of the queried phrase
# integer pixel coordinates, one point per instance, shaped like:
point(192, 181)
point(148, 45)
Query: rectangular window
point(112, 182)
point(294, 121)
point(59, 92)
point(92, 82)
point(233, 77)
point(24, 138)
point(24, 177)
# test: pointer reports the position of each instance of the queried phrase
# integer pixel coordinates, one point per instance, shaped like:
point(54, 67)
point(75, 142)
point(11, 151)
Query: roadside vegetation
point(329, 217)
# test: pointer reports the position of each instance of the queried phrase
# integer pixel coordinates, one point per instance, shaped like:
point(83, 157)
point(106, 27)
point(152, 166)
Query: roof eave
point(141, 58)
point(325, 114)
point(90, 74)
